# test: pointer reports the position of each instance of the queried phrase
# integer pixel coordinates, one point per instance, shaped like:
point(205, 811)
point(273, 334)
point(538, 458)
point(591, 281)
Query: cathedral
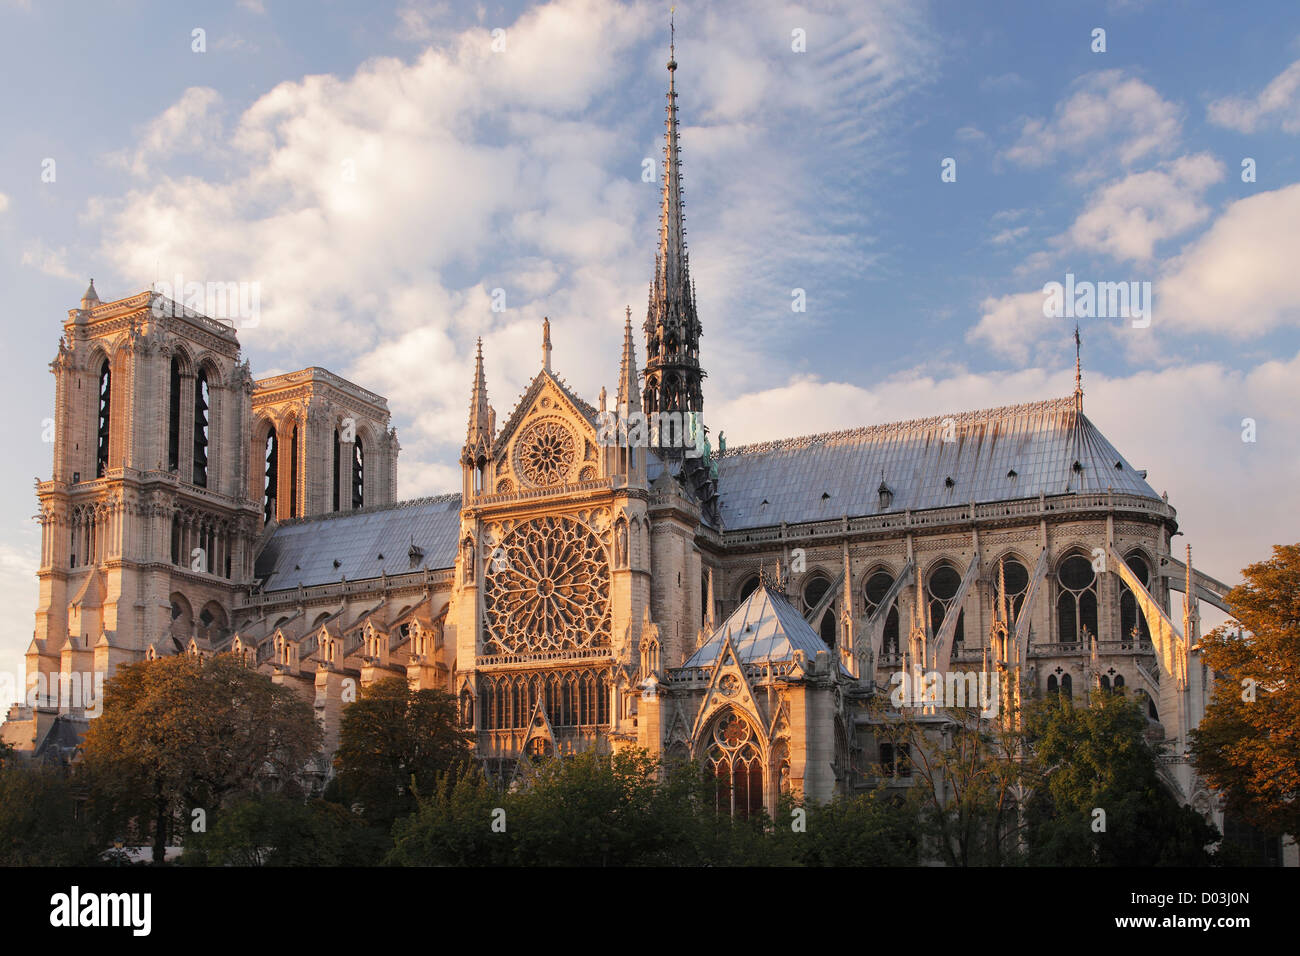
point(605, 577)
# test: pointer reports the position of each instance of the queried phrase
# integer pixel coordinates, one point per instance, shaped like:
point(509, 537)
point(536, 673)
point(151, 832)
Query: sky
point(399, 179)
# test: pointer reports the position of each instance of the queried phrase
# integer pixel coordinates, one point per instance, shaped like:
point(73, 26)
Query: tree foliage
point(1098, 798)
point(39, 820)
point(277, 830)
point(1248, 743)
point(179, 734)
point(395, 742)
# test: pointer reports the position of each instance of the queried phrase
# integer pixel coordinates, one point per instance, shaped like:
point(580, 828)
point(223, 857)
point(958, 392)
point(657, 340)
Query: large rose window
point(545, 453)
point(547, 588)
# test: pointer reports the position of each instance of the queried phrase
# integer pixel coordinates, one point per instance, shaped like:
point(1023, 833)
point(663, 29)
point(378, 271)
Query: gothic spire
point(546, 343)
point(672, 328)
point(478, 436)
point(672, 270)
point(629, 394)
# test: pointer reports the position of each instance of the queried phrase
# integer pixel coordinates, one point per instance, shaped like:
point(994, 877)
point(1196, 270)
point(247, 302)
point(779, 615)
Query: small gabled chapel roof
point(766, 628)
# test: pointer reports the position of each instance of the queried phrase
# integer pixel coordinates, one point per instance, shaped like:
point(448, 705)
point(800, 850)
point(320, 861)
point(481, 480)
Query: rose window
point(546, 453)
point(549, 590)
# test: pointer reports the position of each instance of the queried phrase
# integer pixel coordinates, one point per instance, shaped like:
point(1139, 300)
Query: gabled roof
point(526, 402)
point(816, 477)
point(765, 628)
point(303, 551)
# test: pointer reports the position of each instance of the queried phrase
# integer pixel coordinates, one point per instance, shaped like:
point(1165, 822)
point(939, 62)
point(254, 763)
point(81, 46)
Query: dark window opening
point(358, 474)
point(272, 463)
point(174, 418)
point(105, 412)
point(201, 398)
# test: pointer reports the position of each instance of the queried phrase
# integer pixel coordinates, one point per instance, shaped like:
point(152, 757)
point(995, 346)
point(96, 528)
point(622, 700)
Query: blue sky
point(520, 169)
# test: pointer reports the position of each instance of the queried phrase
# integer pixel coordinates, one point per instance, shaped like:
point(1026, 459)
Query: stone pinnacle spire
point(629, 394)
point(672, 328)
point(478, 436)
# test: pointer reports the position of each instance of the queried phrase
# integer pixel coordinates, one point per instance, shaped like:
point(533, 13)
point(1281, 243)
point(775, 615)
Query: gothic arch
point(1075, 596)
point(182, 616)
point(734, 752)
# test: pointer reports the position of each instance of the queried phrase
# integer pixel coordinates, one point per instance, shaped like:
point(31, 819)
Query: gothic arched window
point(105, 413)
point(201, 399)
point(1132, 622)
point(1067, 686)
point(942, 590)
point(293, 474)
point(877, 587)
point(1076, 605)
point(813, 593)
point(272, 467)
point(174, 417)
point(736, 766)
point(1015, 578)
point(358, 474)
point(749, 587)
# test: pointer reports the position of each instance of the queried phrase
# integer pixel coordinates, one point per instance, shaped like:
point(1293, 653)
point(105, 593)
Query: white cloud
point(1109, 117)
point(1239, 277)
point(190, 126)
point(4, 202)
point(1125, 219)
point(1009, 235)
point(1279, 101)
point(51, 261)
point(1011, 324)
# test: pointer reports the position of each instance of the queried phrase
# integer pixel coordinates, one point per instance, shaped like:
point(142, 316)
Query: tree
point(1248, 743)
point(966, 776)
point(1098, 798)
point(179, 735)
point(277, 830)
point(868, 829)
point(395, 742)
point(39, 820)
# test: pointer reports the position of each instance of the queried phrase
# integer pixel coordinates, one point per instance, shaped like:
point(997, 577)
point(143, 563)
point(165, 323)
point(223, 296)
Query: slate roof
point(817, 477)
point(303, 551)
point(765, 628)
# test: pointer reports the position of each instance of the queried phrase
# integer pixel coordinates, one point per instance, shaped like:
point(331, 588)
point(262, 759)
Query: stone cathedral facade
point(737, 606)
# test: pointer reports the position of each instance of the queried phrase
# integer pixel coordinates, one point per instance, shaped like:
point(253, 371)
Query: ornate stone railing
point(529, 494)
point(541, 658)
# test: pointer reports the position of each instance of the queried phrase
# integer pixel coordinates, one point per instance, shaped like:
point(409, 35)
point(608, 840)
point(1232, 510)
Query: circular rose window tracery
point(548, 588)
point(546, 453)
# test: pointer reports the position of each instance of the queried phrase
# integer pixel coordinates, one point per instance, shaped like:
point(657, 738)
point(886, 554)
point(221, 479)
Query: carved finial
point(546, 343)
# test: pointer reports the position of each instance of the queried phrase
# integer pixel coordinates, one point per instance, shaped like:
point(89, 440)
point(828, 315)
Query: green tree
point(395, 742)
point(1098, 798)
point(868, 829)
point(273, 829)
point(454, 825)
point(179, 734)
point(40, 823)
point(1248, 743)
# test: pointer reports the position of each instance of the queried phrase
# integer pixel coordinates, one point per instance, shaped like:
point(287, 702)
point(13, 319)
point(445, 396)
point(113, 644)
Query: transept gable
point(556, 434)
point(729, 689)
